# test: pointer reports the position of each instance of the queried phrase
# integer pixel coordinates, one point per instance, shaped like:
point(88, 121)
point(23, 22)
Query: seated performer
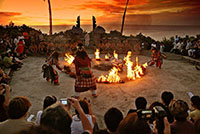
point(85, 79)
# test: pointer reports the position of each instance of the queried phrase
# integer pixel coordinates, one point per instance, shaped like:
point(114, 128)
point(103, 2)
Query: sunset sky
point(148, 12)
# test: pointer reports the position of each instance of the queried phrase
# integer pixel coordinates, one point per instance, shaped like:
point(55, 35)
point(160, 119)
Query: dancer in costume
point(49, 71)
point(157, 58)
point(85, 79)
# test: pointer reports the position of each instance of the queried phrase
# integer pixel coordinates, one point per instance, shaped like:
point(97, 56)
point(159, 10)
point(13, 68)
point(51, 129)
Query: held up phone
point(64, 101)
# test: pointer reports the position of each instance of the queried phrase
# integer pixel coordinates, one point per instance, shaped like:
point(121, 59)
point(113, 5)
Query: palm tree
point(50, 19)
point(124, 17)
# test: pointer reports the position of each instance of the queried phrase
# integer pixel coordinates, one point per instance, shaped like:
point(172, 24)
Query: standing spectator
point(179, 110)
point(48, 101)
point(17, 112)
point(20, 48)
point(195, 102)
point(4, 101)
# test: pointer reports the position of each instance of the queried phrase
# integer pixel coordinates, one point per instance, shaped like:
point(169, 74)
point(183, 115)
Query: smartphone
point(64, 101)
point(190, 94)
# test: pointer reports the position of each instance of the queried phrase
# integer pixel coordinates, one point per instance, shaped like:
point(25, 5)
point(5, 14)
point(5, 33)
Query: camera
point(64, 101)
point(157, 112)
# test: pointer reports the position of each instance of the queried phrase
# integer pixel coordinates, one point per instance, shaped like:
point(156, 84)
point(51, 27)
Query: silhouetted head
point(56, 117)
point(18, 107)
point(49, 100)
point(112, 118)
point(167, 97)
point(131, 124)
point(179, 110)
point(140, 103)
point(196, 102)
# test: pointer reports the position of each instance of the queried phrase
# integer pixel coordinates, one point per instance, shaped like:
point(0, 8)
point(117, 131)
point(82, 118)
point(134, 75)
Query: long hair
point(81, 51)
point(82, 54)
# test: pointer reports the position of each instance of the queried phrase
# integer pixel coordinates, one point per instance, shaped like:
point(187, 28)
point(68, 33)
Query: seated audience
point(197, 126)
point(3, 77)
point(8, 62)
point(112, 118)
point(140, 103)
point(179, 110)
point(17, 112)
point(48, 101)
point(57, 117)
point(76, 126)
point(131, 124)
point(4, 100)
point(167, 97)
point(38, 130)
point(195, 102)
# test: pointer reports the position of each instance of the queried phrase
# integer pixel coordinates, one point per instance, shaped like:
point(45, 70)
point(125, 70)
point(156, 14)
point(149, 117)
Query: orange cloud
point(6, 17)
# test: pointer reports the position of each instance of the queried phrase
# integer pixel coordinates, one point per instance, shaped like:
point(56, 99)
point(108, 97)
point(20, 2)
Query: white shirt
point(76, 126)
point(38, 116)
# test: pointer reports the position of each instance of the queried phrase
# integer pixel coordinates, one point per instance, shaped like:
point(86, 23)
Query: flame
point(68, 58)
point(115, 54)
point(138, 70)
point(112, 77)
point(129, 64)
point(97, 53)
point(106, 57)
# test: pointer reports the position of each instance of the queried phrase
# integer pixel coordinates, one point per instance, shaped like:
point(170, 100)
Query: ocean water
point(157, 32)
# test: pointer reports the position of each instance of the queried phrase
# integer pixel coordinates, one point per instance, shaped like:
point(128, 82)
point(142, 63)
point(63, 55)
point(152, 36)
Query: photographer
point(4, 101)
point(155, 116)
point(76, 126)
point(48, 101)
point(57, 117)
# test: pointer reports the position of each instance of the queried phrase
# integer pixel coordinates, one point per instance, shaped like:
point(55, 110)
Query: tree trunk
point(50, 19)
point(124, 17)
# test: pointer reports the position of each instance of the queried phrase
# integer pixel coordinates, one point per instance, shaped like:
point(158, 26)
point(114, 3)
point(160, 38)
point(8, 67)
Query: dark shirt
point(182, 127)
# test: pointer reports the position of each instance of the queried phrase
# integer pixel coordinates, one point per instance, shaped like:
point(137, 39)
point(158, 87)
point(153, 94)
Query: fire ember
point(97, 53)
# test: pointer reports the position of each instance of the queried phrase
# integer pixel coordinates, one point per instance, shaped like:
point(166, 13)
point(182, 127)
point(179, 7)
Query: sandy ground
point(176, 76)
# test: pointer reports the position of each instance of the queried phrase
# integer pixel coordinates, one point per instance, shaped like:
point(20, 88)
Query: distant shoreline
point(157, 32)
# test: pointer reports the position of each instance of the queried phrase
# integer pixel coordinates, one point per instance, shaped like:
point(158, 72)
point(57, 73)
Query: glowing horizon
point(65, 12)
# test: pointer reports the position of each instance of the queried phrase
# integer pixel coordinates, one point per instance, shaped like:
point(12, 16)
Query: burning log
point(115, 55)
point(138, 70)
point(97, 53)
point(112, 77)
point(106, 58)
point(69, 58)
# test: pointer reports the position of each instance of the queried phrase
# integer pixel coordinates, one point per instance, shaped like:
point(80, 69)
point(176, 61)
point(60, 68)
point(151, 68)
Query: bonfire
point(97, 53)
point(134, 72)
point(112, 77)
point(69, 58)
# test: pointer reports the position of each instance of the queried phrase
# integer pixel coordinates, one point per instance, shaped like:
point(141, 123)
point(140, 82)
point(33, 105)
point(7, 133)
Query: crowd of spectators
point(186, 47)
point(169, 116)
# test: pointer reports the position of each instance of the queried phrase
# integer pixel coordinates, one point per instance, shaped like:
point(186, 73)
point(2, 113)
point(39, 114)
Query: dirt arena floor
point(176, 75)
